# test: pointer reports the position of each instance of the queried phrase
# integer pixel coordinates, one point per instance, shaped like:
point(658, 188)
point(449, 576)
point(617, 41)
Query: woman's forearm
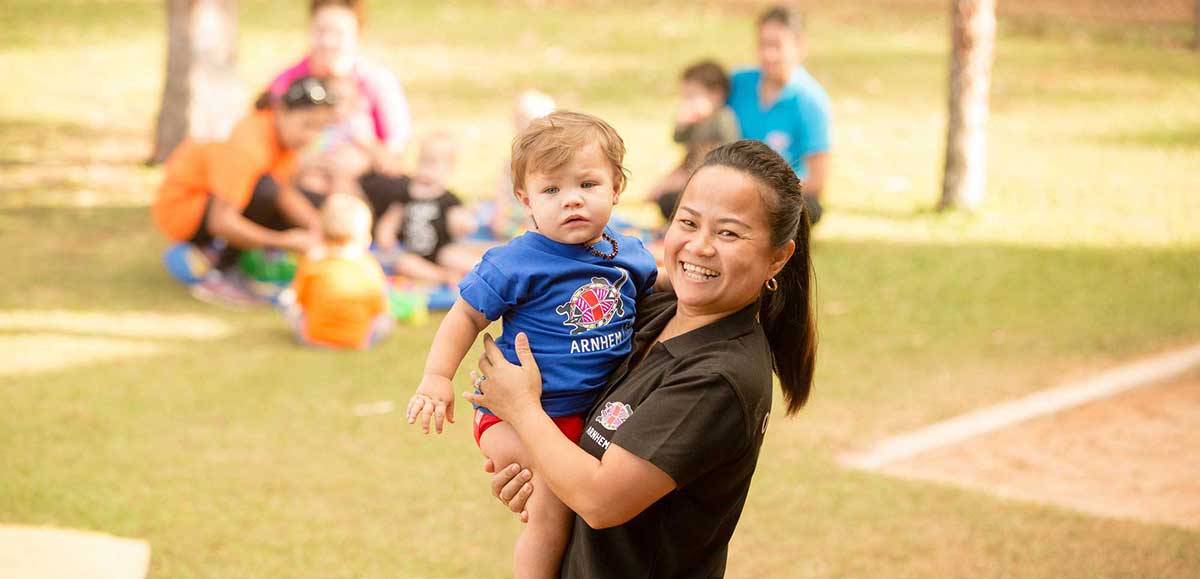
point(569, 470)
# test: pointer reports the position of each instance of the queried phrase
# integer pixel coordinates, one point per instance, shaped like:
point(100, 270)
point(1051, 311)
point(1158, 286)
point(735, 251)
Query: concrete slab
point(49, 553)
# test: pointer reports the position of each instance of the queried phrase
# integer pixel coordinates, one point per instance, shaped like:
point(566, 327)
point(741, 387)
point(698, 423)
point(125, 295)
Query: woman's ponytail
point(786, 312)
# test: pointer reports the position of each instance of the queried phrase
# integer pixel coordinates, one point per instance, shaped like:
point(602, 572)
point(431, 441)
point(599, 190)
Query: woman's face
point(778, 51)
point(334, 41)
point(718, 246)
point(299, 127)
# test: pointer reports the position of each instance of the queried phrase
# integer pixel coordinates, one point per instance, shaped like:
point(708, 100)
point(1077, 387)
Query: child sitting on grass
point(425, 228)
point(571, 285)
point(341, 298)
point(702, 124)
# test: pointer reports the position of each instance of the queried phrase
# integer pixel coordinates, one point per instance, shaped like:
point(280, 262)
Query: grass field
point(236, 454)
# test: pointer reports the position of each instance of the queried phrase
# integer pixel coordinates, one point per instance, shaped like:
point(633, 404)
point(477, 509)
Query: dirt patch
point(1130, 456)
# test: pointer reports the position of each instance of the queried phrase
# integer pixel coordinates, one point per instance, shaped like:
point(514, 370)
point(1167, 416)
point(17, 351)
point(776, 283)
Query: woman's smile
point(698, 273)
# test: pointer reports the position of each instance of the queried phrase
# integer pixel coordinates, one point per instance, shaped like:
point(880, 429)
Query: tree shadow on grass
point(67, 163)
point(1182, 137)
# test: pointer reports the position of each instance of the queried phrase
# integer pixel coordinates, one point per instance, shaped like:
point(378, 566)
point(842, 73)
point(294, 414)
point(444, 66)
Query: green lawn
point(237, 454)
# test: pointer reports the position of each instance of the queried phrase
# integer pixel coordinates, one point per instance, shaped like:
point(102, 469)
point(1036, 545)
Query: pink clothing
point(384, 104)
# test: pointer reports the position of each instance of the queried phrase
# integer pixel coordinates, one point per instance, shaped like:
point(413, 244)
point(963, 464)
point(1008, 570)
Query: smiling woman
point(671, 444)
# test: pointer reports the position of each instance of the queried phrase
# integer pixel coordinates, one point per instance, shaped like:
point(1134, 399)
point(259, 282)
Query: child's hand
point(434, 399)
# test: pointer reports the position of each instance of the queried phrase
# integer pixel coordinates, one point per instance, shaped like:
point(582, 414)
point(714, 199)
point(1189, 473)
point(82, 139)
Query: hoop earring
point(772, 285)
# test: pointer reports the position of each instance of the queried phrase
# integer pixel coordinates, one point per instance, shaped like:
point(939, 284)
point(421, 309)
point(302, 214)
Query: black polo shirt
point(696, 407)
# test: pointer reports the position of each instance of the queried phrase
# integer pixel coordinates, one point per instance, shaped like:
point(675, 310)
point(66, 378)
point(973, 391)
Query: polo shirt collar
point(736, 324)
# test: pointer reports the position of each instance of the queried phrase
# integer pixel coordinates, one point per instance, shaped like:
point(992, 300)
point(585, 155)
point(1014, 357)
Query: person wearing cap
point(240, 190)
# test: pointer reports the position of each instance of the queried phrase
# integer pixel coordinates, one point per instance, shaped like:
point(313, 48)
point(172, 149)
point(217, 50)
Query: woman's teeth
point(698, 273)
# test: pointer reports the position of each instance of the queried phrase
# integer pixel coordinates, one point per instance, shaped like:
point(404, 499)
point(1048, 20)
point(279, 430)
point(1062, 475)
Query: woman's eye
point(688, 223)
point(728, 234)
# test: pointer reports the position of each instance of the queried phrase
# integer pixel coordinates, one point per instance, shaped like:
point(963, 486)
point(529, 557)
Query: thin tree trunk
point(973, 49)
point(1196, 28)
point(217, 99)
point(201, 96)
point(172, 123)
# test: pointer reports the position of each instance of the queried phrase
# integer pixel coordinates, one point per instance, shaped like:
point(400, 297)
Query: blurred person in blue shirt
point(782, 105)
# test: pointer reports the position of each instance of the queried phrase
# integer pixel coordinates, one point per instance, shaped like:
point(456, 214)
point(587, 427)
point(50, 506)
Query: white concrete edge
point(960, 428)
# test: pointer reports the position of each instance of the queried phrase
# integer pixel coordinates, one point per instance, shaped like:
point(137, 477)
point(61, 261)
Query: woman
point(662, 471)
point(381, 122)
point(240, 189)
point(782, 105)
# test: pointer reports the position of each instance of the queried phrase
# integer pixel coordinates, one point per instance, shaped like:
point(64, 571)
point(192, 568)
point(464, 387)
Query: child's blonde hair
point(549, 142)
point(344, 218)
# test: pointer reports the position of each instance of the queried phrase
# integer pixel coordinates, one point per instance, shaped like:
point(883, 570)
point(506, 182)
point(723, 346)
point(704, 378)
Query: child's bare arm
point(435, 395)
point(388, 227)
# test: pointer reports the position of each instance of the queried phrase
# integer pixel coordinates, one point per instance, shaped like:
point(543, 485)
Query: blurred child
point(339, 157)
point(341, 298)
point(427, 225)
point(571, 285)
point(703, 123)
point(530, 105)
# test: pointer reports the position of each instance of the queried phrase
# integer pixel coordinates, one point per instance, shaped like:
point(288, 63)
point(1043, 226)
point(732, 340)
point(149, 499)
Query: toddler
point(427, 225)
point(570, 284)
point(703, 123)
point(340, 156)
point(341, 298)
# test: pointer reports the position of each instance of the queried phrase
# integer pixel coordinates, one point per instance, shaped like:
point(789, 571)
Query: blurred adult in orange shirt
point(241, 189)
point(341, 292)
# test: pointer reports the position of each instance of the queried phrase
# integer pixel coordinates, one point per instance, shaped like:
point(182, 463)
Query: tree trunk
point(1196, 28)
point(201, 96)
point(973, 49)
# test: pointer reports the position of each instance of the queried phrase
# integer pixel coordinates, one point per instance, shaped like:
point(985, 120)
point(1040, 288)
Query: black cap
point(308, 91)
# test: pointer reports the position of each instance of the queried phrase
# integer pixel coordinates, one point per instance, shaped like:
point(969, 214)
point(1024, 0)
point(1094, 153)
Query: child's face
point(573, 203)
point(434, 166)
point(699, 100)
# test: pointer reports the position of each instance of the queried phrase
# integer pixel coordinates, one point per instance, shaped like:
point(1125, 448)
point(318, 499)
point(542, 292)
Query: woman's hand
point(511, 486)
point(506, 389)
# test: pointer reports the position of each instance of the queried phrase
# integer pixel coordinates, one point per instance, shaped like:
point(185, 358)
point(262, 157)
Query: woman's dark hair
point(784, 16)
point(787, 313)
point(708, 74)
point(355, 6)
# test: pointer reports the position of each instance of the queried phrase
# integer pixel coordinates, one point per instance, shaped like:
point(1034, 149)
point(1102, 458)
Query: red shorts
point(572, 425)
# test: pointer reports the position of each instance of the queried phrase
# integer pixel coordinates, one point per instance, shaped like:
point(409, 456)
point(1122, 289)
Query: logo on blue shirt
point(593, 304)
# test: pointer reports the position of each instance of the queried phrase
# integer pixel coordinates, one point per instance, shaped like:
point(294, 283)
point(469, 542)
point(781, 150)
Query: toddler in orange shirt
point(341, 295)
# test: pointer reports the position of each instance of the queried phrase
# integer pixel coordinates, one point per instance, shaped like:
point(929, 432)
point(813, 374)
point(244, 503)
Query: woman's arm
point(605, 492)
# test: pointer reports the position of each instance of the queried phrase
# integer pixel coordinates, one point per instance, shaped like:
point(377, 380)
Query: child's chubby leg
point(540, 547)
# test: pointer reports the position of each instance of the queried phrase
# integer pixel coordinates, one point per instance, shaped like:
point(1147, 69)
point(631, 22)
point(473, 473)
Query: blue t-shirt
point(576, 308)
point(795, 126)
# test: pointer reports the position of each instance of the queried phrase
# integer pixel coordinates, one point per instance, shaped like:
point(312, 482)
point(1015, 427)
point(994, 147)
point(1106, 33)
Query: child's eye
point(588, 184)
point(550, 190)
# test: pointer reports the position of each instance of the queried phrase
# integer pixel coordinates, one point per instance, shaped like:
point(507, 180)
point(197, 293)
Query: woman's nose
point(700, 245)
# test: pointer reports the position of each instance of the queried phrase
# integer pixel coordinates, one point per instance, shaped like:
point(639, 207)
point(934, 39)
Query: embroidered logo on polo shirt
point(614, 415)
point(593, 304)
